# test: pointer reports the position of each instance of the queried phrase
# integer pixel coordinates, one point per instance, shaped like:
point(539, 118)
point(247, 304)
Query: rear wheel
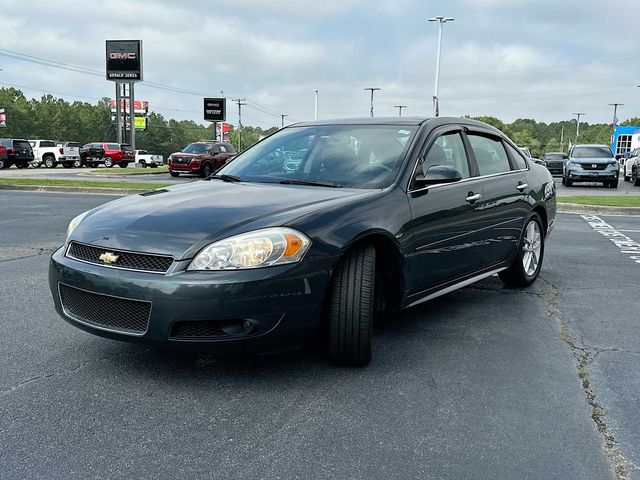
point(4, 164)
point(67, 164)
point(108, 162)
point(526, 266)
point(174, 174)
point(143, 164)
point(351, 307)
point(49, 161)
point(77, 163)
point(123, 164)
point(22, 165)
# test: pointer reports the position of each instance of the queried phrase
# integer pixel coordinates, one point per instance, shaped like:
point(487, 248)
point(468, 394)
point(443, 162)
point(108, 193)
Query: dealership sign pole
point(124, 66)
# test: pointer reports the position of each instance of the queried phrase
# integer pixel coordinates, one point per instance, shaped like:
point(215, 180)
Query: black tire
point(143, 164)
point(22, 165)
point(174, 174)
point(206, 170)
point(564, 180)
point(351, 308)
point(153, 165)
point(49, 161)
point(4, 163)
point(634, 178)
point(123, 164)
point(77, 164)
point(613, 184)
point(515, 275)
point(108, 162)
point(568, 183)
point(67, 164)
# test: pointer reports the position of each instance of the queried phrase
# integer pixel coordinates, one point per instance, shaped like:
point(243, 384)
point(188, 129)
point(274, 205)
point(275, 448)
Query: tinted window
point(230, 148)
point(490, 155)
point(447, 150)
point(591, 152)
point(196, 148)
point(223, 149)
point(553, 156)
point(357, 156)
point(21, 144)
point(215, 149)
point(126, 147)
point(73, 144)
point(113, 146)
point(143, 152)
point(47, 143)
point(521, 163)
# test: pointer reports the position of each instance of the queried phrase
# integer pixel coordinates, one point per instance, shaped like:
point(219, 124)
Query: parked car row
point(22, 153)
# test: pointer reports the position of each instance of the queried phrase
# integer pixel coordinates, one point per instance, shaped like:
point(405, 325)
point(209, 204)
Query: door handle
point(522, 186)
point(473, 197)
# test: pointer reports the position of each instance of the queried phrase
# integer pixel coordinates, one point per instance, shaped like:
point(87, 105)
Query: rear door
point(504, 185)
point(443, 243)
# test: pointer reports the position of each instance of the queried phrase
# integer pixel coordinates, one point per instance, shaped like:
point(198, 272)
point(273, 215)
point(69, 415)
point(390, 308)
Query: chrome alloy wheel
point(531, 248)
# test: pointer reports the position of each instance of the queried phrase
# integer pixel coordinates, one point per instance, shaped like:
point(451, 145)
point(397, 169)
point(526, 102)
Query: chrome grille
point(594, 166)
point(104, 311)
point(127, 260)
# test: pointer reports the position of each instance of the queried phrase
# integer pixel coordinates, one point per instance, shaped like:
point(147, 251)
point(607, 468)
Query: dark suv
point(18, 152)
point(92, 154)
point(201, 158)
point(554, 161)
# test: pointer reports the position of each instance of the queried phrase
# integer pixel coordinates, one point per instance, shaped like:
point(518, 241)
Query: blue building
point(625, 139)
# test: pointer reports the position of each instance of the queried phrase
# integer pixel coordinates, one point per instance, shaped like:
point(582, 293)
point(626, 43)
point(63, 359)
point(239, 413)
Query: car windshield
point(197, 148)
point(591, 152)
point(553, 156)
point(356, 156)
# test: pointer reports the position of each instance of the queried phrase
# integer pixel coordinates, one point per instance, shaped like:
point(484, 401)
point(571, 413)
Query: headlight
point(261, 248)
point(75, 222)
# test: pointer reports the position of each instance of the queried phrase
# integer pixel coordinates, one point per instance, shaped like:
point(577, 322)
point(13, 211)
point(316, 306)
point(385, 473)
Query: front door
point(444, 241)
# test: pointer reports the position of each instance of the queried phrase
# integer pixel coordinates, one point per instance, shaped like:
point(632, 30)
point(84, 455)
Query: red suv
point(200, 158)
point(120, 154)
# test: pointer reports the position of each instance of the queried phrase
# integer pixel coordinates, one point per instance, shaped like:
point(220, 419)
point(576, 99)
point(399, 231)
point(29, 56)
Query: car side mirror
point(438, 174)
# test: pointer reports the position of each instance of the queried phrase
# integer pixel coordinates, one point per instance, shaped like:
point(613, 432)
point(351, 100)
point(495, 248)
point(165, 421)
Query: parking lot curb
point(597, 209)
point(62, 189)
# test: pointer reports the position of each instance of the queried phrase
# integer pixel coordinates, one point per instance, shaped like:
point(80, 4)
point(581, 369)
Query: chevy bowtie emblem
point(109, 258)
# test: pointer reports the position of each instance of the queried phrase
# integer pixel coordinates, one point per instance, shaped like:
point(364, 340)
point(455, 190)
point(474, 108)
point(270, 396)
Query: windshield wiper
point(314, 183)
point(225, 178)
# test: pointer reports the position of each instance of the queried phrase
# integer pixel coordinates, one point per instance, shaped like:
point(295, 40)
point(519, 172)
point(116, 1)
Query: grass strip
point(603, 200)
point(81, 183)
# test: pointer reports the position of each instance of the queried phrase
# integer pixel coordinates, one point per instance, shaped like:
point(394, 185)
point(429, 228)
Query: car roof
point(591, 145)
point(415, 121)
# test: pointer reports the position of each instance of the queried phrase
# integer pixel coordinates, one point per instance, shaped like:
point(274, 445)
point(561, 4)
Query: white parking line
point(623, 242)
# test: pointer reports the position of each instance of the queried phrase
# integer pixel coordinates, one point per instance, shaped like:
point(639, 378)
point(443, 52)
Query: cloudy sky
point(512, 59)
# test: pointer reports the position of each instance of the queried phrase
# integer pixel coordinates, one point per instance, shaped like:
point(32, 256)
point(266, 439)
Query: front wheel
point(174, 174)
point(22, 165)
point(526, 266)
point(123, 164)
point(206, 170)
point(108, 162)
point(4, 164)
point(67, 164)
point(351, 307)
point(143, 164)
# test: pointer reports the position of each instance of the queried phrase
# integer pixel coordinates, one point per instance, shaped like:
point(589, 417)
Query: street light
point(578, 114)
point(440, 20)
point(315, 115)
point(400, 107)
point(372, 89)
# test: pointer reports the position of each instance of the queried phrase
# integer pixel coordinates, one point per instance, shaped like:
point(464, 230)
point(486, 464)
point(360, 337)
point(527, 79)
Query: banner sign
point(3, 118)
point(139, 106)
point(124, 60)
point(215, 109)
point(226, 130)
point(140, 123)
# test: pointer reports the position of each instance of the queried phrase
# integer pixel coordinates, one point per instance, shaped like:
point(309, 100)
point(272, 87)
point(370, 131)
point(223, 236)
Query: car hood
point(598, 160)
point(180, 220)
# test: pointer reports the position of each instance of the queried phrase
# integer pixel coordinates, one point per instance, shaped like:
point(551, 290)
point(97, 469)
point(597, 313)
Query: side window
point(223, 149)
point(448, 149)
point(215, 149)
point(521, 163)
point(490, 155)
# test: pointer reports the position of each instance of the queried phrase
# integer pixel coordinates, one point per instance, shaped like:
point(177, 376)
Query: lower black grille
point(113, 313)
point(594, 166)
point(196, 329)
point(127, 260)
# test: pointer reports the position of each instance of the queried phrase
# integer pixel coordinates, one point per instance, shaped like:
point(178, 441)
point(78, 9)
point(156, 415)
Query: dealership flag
point(3, 118)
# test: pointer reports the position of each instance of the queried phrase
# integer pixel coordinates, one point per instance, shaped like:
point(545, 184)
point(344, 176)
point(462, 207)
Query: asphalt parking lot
point(482, 383)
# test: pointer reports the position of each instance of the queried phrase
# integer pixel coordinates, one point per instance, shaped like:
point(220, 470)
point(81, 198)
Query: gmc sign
point(124, 60)
point(215, 109)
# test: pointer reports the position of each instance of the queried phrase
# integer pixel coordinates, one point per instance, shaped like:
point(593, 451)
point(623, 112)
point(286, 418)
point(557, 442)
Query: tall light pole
point(372, 89)
point(315, 111)
point(399, 107)
point(578, 114)
point(282, 116)
point(615, 118)
point(440, 20)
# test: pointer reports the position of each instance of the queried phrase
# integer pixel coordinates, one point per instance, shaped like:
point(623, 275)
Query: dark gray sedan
point(373, 216)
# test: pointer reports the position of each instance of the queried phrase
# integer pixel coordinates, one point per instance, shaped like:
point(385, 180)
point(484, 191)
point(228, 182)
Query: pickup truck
point(44, 152)
point(145, 159)
point(69, 154)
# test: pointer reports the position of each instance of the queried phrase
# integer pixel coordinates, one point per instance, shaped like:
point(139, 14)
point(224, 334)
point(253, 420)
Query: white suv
point(628, 163)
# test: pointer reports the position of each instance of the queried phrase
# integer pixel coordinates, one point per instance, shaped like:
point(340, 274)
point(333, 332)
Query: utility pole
point(372, 89)
point(578, 114)
point(283, 117)
point(240, 103)
point(562, 139)
point(399, 107)
point(315, 115)
point(615, 118)
point(440, 20)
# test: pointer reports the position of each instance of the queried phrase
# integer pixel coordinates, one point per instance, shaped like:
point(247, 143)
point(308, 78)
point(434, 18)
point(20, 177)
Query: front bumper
point(282, 305)
point(592, 176)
